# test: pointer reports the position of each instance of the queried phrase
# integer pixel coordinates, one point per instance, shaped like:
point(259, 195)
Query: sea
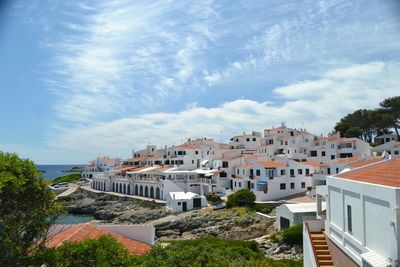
point(53, 171)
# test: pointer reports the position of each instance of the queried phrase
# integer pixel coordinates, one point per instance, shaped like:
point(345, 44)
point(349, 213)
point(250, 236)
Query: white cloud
point(331, 100)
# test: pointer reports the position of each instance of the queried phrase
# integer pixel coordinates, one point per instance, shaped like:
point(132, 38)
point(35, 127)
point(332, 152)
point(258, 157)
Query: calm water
point(54, 171)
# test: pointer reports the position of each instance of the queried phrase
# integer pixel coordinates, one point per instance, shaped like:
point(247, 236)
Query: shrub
point(293, 235)
point(243, 197)
point(68, 178)
point(213, 198)
point(263, 207)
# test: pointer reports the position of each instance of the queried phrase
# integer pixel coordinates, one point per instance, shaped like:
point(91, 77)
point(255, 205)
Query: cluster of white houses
point(275, 164)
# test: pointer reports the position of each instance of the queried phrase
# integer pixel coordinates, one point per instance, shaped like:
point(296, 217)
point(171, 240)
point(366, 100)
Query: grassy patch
point(68, 178)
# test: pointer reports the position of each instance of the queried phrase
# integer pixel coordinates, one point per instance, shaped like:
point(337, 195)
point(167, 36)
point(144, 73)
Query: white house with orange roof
point(280, 178)
point(360, 226)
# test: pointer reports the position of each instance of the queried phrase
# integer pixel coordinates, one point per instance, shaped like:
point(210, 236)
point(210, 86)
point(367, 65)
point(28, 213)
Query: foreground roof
point(83, 231)
point(382, 173)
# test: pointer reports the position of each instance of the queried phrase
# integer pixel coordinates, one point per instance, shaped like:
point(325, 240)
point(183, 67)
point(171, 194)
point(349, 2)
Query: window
point(240, 184)
point(225, 164)
point(313, 153)
point(329, 170)
point(179, 203)
point(270, 141)
point(337, 170)
point(286, 143)
point(192, 161)
point(197, 152)
point(300, 171)
point(258, 173)
point(283, 186)
point(238, 171)
point(282, 172)
point(254, 139)
point(291, 172)
point(291, 185)
point(349, 219)
point(332, 156)
point(332, 145)
point(235, 183)
point(396, 152)
point(247, 139)
point(323, 153)
point(222, 174)
point(303, 185)
point(307, 172)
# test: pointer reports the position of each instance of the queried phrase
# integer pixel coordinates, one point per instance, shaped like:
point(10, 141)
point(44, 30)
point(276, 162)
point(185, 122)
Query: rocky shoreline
point(236, 223)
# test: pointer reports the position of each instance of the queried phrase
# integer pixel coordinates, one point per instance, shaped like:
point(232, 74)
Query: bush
point(263, 207)
point(243, 197)
point(68, 178)
point(293, 235)
point(213, 198)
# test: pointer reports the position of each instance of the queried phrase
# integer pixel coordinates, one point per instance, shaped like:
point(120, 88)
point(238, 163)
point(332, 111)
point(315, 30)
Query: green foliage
point(262, 207)
point(213, 198)
point(242, 197)
point(105, 251)
point(391, 106)
point(68, 178)
point(206, 251)
point(27, 208)
point(293, 235)
point(364, 123)
point(209, 251)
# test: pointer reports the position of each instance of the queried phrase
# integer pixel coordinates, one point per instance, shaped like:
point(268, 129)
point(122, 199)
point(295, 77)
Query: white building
point(362, 217)
point(288, 215)
point(184, 201)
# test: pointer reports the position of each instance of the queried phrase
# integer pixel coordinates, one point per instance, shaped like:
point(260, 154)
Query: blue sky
point(84, 78)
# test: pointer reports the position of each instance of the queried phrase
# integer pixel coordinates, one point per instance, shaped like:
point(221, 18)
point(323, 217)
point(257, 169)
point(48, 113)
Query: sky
point(80, 79)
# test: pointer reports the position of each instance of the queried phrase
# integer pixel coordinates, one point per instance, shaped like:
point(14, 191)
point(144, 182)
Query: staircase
point(318, 241)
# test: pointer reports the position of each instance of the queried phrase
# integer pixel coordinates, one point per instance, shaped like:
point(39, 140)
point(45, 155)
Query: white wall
point(374, 220)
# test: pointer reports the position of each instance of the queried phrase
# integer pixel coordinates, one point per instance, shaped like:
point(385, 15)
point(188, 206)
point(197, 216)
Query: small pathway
point(71, 189)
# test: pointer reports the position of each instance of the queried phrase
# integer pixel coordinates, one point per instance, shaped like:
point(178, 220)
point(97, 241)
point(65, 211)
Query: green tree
point(27, 209)
point(392, 106)
point(242, 197)
point(357, 124)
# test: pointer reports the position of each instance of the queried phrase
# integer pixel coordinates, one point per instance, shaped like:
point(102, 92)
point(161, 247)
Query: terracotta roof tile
point(83, 231)
point(271, 164)
point(364, 162)
point(383, 173)
point(312, 163)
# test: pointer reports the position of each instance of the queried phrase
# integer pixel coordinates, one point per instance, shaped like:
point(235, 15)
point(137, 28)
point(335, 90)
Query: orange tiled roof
point(83, 231)
point(383, 173)
point(272, 164)
point(187, 146)
point(364, 162)
point(347, 160)
point(312, 163)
